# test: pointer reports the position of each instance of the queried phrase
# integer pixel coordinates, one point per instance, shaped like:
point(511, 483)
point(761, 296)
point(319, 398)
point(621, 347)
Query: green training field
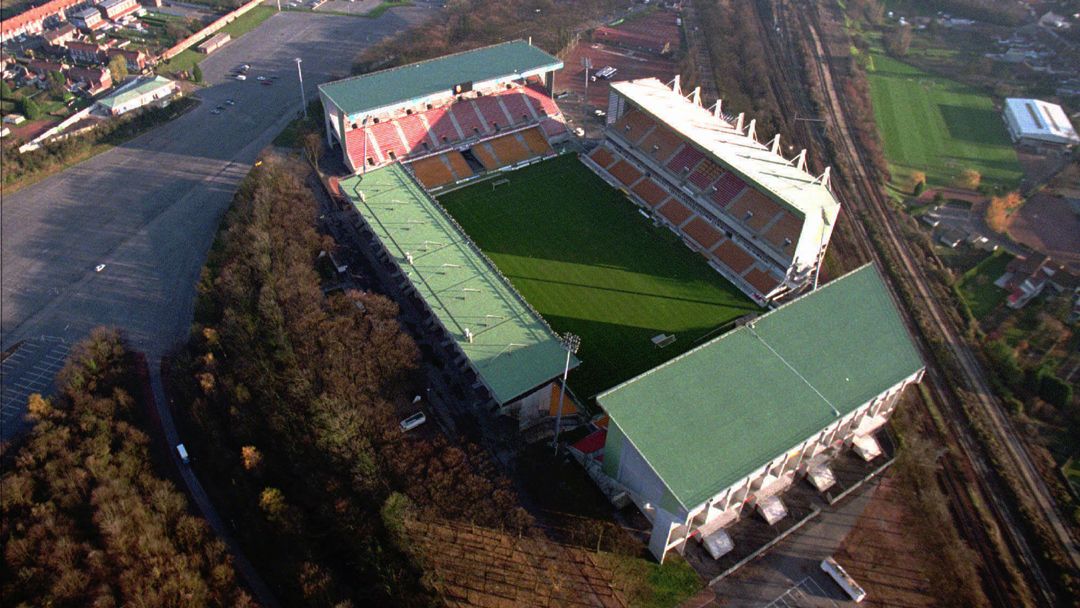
point(939, 126)
point(580, 253)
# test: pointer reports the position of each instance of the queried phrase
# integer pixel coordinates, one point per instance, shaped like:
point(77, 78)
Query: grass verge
point(977, 285)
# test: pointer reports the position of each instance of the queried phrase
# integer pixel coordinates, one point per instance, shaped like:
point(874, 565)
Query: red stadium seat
point(685, 161)
point(465, 114)
point(727, 187)
point(491, 110)
point(517, 107)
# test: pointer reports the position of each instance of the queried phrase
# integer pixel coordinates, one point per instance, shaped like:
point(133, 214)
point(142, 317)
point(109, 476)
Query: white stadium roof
point(754, 161)
point(1041, 120)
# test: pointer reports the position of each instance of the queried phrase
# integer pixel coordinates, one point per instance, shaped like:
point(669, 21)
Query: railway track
point(868, 199)
point(864, 195)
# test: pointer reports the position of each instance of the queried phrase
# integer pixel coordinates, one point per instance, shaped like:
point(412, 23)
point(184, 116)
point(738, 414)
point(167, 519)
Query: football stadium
point(680, 252)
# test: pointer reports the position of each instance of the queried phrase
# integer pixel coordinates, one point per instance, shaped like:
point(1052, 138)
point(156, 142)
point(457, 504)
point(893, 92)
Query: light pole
point(571, 343)
point(303, 99)
point(363, 160)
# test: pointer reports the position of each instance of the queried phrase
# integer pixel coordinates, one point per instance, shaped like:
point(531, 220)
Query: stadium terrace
point(761, 220)
point(452, 102)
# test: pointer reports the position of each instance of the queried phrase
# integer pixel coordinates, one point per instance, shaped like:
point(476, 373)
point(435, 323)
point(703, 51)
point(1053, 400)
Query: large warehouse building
point(760, 219)
point(727, 427)
point(453, 116)
point(1035, 122)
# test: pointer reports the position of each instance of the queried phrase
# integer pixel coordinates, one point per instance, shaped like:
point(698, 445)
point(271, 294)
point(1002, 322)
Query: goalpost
point(498, 182)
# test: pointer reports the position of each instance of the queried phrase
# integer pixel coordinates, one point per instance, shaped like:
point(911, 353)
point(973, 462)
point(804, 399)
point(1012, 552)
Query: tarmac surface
point(148, 210)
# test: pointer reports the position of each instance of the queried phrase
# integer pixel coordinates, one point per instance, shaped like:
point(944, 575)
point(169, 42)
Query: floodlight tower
point(571, 342)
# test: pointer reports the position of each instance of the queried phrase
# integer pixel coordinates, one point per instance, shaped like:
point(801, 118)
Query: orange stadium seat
point(536, 142)
point(650, 192)
point(458, 164)
point(785, 232)
point(602, 157)
point(432, 171)
point(706, 173)
point(633, 126)
point(685, 161)
point(675, 212)
point(700, 230)
point(731, 255)
point(661, 144)
point(484, 154)
point(625, 172)
point(754, 209)
point(762, 281)
point(509, 150)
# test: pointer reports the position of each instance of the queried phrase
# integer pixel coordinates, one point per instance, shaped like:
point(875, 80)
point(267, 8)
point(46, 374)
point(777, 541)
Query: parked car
point(182, 452)
point(413, 421)
point(241, 77)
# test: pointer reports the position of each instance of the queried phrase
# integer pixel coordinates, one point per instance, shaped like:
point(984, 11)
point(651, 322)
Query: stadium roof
point(135, 90)
point(1039, 119)
point(369, 92)
point(512, 348)
point(753, 161)
point(712, 416)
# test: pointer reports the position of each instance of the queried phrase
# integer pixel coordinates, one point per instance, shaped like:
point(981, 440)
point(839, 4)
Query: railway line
point(864, 195)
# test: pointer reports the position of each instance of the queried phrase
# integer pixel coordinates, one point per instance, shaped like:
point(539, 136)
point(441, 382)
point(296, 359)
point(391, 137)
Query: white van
point(182, 452)
point(842, 578)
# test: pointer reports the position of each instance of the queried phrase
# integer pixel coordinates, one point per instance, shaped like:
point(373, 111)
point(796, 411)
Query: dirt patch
point(1050, 225)
point(881, 557)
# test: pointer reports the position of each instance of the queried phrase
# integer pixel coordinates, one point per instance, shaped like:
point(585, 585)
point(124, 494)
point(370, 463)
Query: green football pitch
point(938, 126)
point(583, 256)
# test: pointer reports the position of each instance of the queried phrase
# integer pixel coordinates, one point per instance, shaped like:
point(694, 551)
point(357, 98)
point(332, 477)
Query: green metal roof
point(372, 91)
point(712, 416)
point(512, 349)
point(124, 95)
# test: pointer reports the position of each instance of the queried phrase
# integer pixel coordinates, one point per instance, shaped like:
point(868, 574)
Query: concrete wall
point(190, 41)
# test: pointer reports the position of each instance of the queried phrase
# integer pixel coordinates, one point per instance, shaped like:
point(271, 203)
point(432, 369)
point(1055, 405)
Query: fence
point(190, 41)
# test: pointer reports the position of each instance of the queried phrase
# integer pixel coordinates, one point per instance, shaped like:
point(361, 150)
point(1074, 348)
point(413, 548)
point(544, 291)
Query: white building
point(723, 430)
point(1036, 122)
point(138, 93)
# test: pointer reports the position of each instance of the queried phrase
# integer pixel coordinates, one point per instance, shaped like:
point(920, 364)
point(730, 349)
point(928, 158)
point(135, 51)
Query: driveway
point(149, 209)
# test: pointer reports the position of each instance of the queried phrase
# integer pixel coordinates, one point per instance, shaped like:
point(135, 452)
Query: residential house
point(136, 60)
point(91, 80)
point(87, 19)
point(86, 52)
point(59, 37)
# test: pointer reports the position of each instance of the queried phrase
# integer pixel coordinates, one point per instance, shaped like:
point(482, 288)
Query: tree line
point(86, 521)
point(290, 398)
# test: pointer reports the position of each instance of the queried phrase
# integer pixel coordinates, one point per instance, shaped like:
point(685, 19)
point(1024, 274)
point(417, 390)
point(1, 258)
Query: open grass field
point(939, 126)
point(580, 253)
point(977, 285)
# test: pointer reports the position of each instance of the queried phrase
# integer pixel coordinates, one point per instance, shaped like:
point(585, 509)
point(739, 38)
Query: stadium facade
point(759, 218)
point(1035, 123)
point(453, 116)
point(724, 429)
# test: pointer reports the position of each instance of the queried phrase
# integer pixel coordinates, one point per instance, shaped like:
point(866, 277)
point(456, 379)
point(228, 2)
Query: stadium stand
point(702, 233)
point(634, 126)
point(761, 280)
point(726, 189)
point(465, 114)
point(490, 108)
point(754, 209)
point(650, 192)
point(540, 101)
point(706, 173)
point(773, 212)
point(685, 161)
point(517, 107)
point(625, 172)
point(509, 149)
point(602, 157)
point(675, 212)
point(416, 133)
point(458, 164)
point(733, 256)
point(660, 144)
point(432, 171)
point(438, 120)
point(552, 127)
point(536, 142)
point(388, 139)
point(486, 156)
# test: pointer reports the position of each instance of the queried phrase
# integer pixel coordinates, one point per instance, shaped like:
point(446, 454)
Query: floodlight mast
point(571, 342)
